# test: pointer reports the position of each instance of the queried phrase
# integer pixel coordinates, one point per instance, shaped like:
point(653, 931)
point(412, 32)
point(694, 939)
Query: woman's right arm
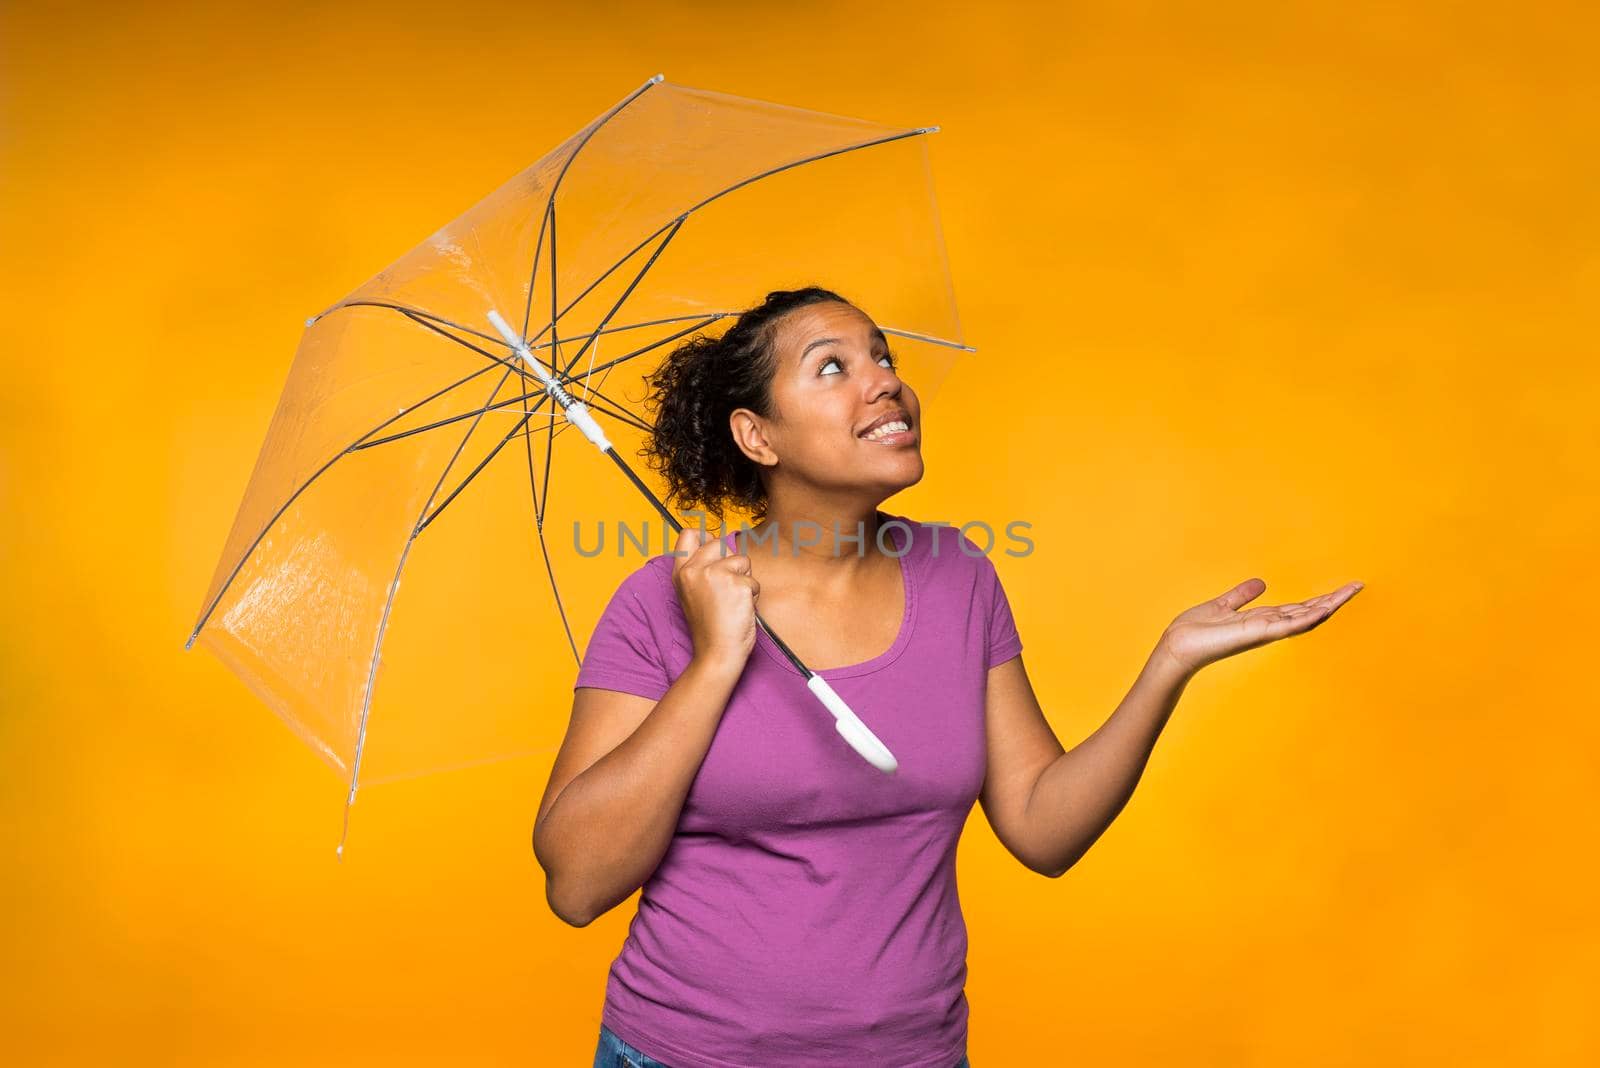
point(618, 784)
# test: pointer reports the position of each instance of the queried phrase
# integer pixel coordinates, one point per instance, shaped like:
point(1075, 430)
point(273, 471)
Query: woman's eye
point(886, 359)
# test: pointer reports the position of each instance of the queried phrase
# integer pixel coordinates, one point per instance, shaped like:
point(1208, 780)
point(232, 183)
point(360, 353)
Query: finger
point(687, 545)
point(1303, 618)
point(714, 549)
point(1242, 594)
point(1283, 625)
point(1337, 597)
point(738, 564)
point(1293, 609)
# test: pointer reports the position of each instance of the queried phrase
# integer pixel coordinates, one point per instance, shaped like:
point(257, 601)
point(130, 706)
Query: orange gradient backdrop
point(1299, 291)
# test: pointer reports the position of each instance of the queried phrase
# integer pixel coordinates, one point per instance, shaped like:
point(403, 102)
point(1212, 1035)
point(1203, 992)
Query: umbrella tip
point(657, 79)
point(929, 129)
point(310, 322)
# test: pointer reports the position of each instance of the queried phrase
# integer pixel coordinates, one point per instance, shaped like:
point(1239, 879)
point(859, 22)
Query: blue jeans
point(615, 1053)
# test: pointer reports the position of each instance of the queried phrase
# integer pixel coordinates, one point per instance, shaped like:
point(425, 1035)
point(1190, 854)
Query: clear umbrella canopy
point(411, 444)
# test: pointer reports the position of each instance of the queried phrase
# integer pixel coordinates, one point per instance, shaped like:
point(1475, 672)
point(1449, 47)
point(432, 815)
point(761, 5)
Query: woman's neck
point(819, 541)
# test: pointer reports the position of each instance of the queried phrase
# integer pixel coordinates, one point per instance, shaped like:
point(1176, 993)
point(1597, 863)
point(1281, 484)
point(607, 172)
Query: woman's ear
point(750, 435)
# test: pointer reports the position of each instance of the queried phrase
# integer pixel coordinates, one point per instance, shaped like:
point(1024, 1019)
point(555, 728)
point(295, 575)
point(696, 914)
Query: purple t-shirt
point(805, 912)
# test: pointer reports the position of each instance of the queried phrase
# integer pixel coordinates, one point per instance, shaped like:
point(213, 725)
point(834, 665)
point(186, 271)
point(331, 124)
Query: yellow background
point(1299, 291)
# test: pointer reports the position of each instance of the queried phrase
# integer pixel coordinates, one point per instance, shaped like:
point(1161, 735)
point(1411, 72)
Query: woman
point(799, 906)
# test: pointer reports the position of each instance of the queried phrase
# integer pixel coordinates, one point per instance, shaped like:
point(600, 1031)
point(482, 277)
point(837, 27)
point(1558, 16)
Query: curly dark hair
point(696, 388)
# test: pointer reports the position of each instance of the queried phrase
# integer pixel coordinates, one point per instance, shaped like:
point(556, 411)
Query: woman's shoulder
point(942, 549)
point(652, 580)
point(646, 600)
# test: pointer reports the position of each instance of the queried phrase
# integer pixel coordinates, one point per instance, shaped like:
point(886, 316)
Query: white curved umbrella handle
point(849, 725)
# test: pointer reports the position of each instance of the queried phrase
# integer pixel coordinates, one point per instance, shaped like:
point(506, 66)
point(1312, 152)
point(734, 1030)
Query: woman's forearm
point(1078, 795)
point(608, 829)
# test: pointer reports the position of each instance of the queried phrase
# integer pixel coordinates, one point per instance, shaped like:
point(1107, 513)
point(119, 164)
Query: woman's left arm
point(1048, 805)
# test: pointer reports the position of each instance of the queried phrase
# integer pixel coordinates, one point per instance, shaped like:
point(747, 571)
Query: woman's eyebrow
point(819, 341)
point(877, 336)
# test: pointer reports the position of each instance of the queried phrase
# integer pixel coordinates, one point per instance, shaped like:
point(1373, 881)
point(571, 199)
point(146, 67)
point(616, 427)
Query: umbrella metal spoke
point(678, 221)
point(616, 412)
point(383, 620)
point(655, 256)
point(284, 507)
point(544, 548)
point(479, 467)
point(498, 406)
point(666, 340)
point(626, 293)
point(408, 310)
point(424, 322)
point(706, 318)
point(533, 275)
point(555, 187)
point(542, 394)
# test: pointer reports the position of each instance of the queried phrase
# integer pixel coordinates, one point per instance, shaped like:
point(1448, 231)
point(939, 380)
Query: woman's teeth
point(886, 429)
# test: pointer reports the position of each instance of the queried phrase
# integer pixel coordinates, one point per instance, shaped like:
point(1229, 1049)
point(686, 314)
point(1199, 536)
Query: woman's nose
point(884, 383)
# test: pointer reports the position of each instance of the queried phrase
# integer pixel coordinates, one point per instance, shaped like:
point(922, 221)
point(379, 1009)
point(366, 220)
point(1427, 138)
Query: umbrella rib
point(549, 453)
point(801, 162)
point(425, 321)
point(626, 293)
point(447, 420)
point(591, 286)
point(415, 312)
point(424, 524)
point(615, 307)
point(542, 394)
point(555, 337)
point(555, 351)
point(545, 502)
point(533, 275)
point(444, 474)
point(615, 411)
point(677, 221)
point(534, 344)
point(549, 457)
point(383, 620)
point(352, 447)
point(705, 322)
point(724, 192)
point(550, 425)
point(555, 187)
point(618, 414)
point(544, 548)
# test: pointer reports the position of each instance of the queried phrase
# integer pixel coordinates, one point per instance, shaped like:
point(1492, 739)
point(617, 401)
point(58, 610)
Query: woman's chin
point(908, 472)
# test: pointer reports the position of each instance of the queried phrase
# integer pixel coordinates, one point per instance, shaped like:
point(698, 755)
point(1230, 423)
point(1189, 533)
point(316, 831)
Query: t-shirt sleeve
point(1004, 641)
point(623, 652)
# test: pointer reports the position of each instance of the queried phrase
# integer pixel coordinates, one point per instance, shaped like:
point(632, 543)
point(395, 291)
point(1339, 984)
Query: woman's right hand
point(718, 594)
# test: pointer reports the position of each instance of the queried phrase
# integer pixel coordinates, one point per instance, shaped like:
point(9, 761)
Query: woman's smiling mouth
point(893, 428)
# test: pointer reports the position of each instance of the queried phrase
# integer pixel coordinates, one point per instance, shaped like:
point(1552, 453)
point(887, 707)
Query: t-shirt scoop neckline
point(905, 544)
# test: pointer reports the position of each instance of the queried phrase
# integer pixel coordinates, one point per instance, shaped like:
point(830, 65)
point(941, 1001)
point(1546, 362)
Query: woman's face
point(833, 384)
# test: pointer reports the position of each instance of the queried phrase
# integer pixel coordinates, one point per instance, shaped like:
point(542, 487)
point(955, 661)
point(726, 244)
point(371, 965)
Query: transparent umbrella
point(422, 432)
